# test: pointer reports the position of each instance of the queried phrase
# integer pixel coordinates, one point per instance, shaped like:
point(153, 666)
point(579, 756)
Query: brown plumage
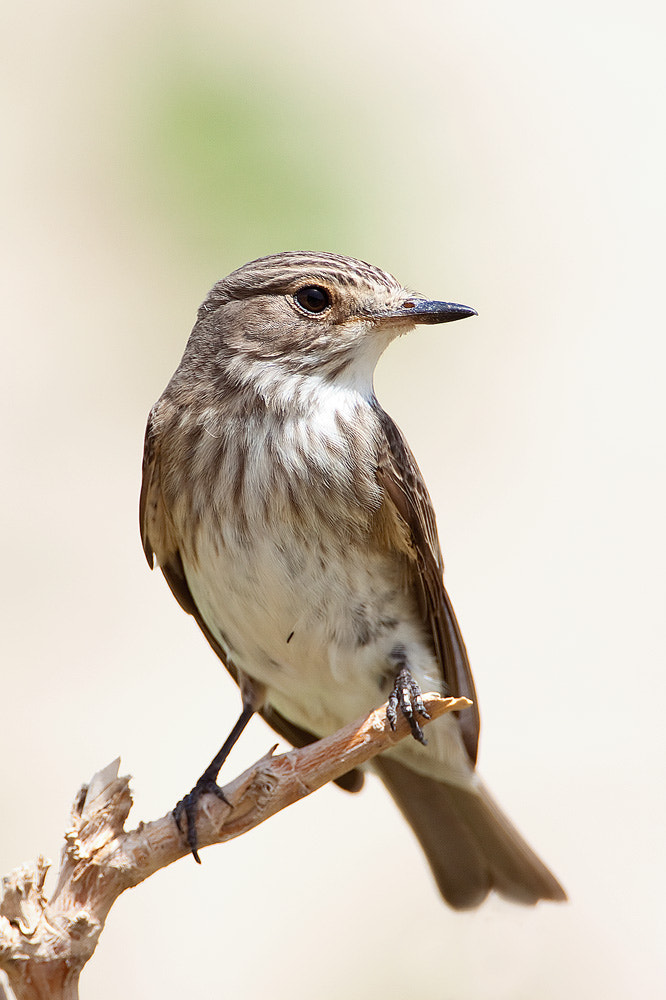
point(290, 518)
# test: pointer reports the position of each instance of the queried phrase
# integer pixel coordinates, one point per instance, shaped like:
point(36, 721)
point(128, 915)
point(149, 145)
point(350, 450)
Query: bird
point(289, 517)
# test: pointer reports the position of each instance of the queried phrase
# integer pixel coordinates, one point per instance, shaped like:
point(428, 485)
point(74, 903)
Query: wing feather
point(406, 493)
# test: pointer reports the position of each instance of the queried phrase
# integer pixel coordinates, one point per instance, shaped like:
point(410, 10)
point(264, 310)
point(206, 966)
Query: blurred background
point(507, 156)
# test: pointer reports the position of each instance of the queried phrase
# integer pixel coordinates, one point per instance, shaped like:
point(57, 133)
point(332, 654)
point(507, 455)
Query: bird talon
point(406, 695)
point(187, 807)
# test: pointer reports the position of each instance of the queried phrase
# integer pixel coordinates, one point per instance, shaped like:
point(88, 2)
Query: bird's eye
point(313, 299)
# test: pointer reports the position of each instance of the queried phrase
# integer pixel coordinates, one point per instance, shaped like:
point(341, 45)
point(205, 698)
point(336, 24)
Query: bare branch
point(45, 942)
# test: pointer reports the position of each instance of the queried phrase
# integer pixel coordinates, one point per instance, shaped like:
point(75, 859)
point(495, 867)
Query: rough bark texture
point(46, 941)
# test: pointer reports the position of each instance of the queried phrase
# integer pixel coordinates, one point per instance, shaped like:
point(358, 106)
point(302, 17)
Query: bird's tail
point(471, 845)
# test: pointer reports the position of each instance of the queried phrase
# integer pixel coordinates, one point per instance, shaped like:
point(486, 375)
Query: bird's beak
point(425, 311)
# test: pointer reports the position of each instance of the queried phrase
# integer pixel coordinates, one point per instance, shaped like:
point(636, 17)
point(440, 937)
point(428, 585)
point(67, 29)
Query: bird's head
point(299, 314)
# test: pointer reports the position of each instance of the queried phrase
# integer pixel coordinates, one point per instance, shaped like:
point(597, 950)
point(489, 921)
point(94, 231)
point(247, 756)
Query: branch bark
point(45, 942)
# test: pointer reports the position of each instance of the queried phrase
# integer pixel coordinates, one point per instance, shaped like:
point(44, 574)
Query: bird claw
point(406, 696)
point(187, 808)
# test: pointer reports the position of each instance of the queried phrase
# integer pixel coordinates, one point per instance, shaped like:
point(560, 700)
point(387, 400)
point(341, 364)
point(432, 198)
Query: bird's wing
point(407, 500)
point(159, 540)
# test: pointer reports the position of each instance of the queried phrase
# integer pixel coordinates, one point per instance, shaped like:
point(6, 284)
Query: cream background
point(507, 156)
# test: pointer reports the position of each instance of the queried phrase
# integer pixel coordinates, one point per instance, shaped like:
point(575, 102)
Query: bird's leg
point(406, 695)
point(187, 807)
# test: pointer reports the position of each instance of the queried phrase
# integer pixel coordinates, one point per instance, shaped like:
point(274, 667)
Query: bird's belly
point(317, 625)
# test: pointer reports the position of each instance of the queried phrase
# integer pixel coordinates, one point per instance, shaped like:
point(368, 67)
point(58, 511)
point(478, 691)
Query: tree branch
point(45, 942)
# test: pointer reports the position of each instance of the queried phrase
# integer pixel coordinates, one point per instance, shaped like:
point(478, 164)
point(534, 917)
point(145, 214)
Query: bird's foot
point(207, 784)
point(187, 809)
point(406, 696)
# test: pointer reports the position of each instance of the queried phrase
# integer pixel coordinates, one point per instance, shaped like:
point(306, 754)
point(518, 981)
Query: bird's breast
point(286, 567)
point(287, 558)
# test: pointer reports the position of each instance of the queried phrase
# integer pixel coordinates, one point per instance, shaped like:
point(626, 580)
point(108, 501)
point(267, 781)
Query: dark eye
point(313, 298)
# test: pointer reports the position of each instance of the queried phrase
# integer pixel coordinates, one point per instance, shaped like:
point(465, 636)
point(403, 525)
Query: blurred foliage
point(246, 166)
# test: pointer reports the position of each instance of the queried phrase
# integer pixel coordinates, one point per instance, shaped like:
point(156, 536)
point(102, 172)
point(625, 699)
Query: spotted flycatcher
point(290, 518)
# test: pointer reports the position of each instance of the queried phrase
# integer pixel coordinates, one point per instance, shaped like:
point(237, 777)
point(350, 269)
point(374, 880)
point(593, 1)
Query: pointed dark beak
point(425, 311)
